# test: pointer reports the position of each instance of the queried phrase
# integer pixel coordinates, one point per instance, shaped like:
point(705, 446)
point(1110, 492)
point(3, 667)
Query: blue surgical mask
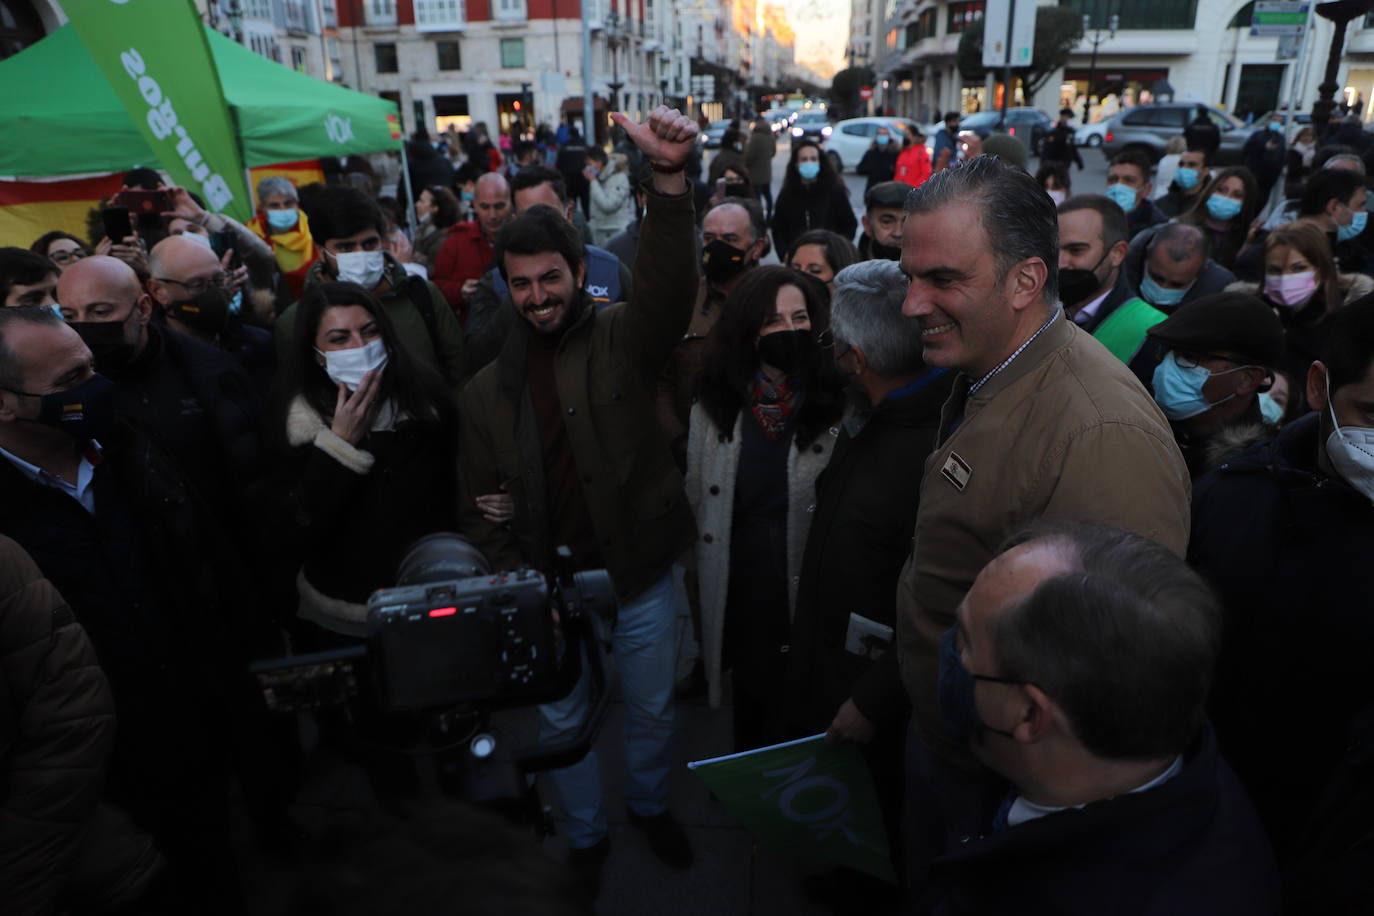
point(1155, 294)
point(282, 220)
point(465, 195)
point(1345, 233)
point(1222, 207)
point(1186, 178)
point(808, 170)
point(1270, 409)
point(1276, 126)
point(1178, 391)
point(883, 139)
point(1124, 196)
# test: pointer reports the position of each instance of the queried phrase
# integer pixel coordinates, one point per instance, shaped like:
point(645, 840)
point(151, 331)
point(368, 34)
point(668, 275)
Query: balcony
point(439, 15)
point(380, 13)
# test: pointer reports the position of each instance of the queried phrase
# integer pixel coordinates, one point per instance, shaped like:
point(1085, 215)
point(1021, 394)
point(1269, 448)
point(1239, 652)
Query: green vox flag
point(808, 798)
point(154, 55)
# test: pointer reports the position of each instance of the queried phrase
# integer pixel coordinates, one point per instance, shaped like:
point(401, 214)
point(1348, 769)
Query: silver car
point(1149, 128)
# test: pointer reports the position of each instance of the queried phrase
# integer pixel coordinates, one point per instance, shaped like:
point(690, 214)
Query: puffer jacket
point(58, 845)
point(610, 194)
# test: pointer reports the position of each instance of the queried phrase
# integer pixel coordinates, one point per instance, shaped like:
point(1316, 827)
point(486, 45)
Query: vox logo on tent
point(340, 129)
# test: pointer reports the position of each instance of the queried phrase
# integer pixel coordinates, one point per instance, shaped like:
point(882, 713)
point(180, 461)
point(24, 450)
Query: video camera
point(456, 641)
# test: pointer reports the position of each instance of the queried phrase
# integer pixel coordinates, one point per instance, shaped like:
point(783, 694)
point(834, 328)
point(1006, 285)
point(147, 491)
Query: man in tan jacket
point(1043, 423)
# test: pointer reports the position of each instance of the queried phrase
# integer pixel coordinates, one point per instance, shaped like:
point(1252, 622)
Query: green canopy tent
point(64, 119)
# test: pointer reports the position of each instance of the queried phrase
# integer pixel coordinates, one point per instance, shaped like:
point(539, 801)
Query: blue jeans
point(644, 649)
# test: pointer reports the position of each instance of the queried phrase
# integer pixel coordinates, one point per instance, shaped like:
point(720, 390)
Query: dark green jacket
point(606, 369)
point(443, 350)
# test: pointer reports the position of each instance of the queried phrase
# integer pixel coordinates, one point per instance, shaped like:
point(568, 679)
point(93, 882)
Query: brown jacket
point(607, 366)
point(1064, 432)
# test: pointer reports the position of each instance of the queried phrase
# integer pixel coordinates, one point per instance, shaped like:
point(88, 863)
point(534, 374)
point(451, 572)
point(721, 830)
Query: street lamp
point(1340, 12)
point(1097, 38)
point(612, 40)
point(235, 16)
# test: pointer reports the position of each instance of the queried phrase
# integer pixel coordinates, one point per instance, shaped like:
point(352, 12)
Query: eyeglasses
point(201, 284)
point(1193, 360)
point(68, 256)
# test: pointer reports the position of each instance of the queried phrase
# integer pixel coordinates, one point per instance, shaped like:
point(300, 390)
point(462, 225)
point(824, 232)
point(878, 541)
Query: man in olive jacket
point(1043, 423)
point(561, 447)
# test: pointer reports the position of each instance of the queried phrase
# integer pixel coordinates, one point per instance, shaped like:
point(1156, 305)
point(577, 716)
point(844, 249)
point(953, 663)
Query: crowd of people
point(1053, 504)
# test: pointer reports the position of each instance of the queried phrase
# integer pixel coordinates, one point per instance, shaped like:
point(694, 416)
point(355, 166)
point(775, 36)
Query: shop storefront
point(1112, 90)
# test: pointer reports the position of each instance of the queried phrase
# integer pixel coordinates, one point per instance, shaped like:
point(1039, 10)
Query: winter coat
point(610, 196)
point(913, 164)
point(1090, 445)
point(860, 537)
point(1305, 330)
point(1286, 547)
point(1213, 278)
point(606, 367)
point(465, 255)
point(58, 844)
point(712, 463)
point(1189, 847)
point(428, 167)
point(429, 330)
point(758, 155)
point(878, 164)
point(359, 508)
point(802, 207)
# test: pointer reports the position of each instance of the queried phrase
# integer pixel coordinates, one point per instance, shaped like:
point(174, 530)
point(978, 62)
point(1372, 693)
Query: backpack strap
point(418, 290)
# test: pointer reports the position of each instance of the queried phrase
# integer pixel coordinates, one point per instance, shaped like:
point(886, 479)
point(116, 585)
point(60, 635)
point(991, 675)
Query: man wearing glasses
point(1221, 353)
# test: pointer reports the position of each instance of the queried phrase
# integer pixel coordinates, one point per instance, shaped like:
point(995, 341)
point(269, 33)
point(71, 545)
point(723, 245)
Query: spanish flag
point(30, 208)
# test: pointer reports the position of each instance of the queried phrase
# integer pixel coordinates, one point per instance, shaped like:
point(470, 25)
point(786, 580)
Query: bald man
point(467, 252)
point(191, 289)
point(192, 398)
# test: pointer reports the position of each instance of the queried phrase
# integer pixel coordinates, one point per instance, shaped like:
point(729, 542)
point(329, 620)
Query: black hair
point(536, 175)
point(839, 251)
point(1124, 642)
point(1206, 156)
point(826, 179)
point(1326, 185)
point(597, 154)
point(950, 115)
point(538, 229)
point(1135, 158)
point(416, 387)
point(1114, 226)
point(143, 178)
point(521, 149)
point(1059, 171)
point(44, 242)
point(730, 358)
point(1249, 208)
point(1018, 217)
point(468, 171)
point(341, 212)
point(446, 209)
point(1349, 355)
point(22, 267)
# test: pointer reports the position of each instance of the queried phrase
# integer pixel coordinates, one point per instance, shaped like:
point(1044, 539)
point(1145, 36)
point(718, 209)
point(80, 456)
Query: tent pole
point(410, 192)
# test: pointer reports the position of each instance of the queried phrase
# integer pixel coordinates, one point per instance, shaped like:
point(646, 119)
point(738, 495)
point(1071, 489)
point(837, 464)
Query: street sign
point(995, 45)
point(1278, 18)
point(1289, 46)
point(865, 92)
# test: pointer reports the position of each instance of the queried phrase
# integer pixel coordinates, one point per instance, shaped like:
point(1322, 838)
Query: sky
point(822, 28)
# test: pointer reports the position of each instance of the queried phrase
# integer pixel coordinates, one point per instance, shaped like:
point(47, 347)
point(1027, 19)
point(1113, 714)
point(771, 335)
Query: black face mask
point(207, 313)
point(112, 351)
point(737, 189)
point(880, 252)
point(786, 351)
point(722, 262)
point(83, 412)
point(1077, 284)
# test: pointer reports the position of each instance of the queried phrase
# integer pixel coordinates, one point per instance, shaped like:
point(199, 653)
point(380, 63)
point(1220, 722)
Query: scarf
point(773, 404)
point(294, 249)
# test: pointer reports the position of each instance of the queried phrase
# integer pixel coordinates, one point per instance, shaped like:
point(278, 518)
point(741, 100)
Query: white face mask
point(347, 367)
point(1057, 196)
point(364, 268)
point(1351, 451)
point(199, 239)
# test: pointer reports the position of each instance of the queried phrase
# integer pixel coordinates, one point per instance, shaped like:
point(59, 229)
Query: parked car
point(1090, 134)
point(851, 139)
point(812, 124)
point(711, 136)
point(1149, 128)
point(1030, 123)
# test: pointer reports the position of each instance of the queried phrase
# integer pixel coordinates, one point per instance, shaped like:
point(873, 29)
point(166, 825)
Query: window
point(512, 53)
point(257, 9)
point(298, 58)
point(449, 58)
point(297, 18)
point(1141, 14)
point(438, 15)
point(860, 130)
point(508, 9)
point(964, 14)
point(386, 58)
point(926, 23)
point(381, 12)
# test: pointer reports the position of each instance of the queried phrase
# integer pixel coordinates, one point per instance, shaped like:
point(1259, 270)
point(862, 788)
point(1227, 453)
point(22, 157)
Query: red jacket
point(465, 255)
point(913, 164)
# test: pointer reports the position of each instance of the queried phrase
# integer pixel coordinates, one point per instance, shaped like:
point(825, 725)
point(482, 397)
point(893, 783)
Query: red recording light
point(1108, 138)
point(1011, 131)
point(517, 105)
point(443, 612)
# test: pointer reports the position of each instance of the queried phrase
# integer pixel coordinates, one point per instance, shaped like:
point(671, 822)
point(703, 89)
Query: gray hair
point(276, 185)
point(1018, 217)
point(1180, 241)
point(866, 312)
point(11, 366)
point(1356, 163)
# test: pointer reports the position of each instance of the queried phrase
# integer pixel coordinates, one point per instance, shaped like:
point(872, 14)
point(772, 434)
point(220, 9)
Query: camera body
point(487, 638)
